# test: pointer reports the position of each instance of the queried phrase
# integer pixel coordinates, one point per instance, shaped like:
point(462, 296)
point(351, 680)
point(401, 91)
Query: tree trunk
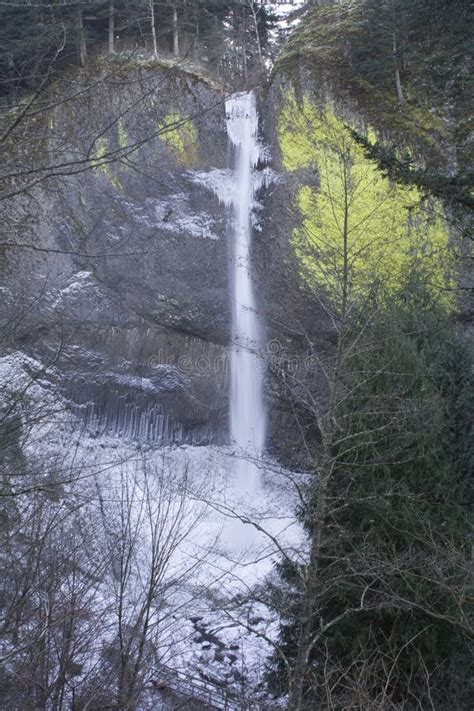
point(196, 38)
point(111, 27)
point(153, 29)
point(257, 36)
point(401, 98)
point(175, 32)
point(398, 83)
point(244, 47)
point(306, 635)
point(306, 639)
point(345, 236)
point(81, 38)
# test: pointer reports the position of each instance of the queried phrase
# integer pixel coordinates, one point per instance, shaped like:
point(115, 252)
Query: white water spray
point(247, 405)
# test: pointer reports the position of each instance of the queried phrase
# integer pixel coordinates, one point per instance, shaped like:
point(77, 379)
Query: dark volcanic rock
point(126, 287)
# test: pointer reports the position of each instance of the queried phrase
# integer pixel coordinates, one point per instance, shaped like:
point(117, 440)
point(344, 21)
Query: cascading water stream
point(247, 404)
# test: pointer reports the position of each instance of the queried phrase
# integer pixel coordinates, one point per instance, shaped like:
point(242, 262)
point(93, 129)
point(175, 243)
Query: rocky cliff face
point(125, 285)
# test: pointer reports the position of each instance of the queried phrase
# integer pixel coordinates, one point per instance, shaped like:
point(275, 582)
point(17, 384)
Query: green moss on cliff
point(181, 137)
point(122, 135)
point(359, 233)
point(100, 164)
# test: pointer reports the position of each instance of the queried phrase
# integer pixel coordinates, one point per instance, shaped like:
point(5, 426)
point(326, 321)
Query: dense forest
point(128, 168)
point(232, 36)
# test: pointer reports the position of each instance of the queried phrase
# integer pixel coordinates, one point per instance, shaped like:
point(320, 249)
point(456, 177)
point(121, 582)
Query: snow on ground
point(226, 531)
point(231, 545)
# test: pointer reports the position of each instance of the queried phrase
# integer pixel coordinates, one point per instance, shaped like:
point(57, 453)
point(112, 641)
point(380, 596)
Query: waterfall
point(247, 405)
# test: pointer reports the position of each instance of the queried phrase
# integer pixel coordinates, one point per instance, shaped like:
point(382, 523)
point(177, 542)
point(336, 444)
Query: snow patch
point(210, 623)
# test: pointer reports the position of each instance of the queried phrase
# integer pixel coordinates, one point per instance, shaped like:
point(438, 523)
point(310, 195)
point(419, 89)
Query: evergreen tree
point(422, 41)
point(35, 40)
point(32, 40)
point(389, 614)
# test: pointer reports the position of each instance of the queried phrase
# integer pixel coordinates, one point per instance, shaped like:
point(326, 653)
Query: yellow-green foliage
point(122, 135)
point(181, 138)
point(100, 164)
point(358, 230)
